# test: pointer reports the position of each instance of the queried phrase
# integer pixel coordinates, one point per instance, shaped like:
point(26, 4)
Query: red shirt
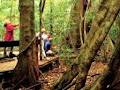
point(9, 27)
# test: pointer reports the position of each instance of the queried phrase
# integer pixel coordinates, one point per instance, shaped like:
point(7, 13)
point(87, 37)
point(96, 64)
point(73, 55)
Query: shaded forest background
point(55, 18)
point(75, 32)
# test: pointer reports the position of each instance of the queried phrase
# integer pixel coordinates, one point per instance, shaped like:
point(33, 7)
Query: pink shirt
point(9, 32)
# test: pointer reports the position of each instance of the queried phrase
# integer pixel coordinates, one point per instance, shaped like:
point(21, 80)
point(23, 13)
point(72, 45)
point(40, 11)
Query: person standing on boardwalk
point(9, 35)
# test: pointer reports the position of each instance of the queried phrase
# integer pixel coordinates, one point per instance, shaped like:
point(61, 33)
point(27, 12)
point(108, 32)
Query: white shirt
point(44, 36)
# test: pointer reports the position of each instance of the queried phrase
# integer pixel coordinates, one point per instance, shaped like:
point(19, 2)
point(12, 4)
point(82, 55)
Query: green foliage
point(8, 10)
point(115, 30)
point(65, 53)
point(56, 14)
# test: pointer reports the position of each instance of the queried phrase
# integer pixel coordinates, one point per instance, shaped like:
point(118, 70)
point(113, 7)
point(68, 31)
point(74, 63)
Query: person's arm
point(49, 37)
point(15, 25)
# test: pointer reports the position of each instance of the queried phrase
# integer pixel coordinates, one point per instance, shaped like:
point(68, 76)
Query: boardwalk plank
point(9, 64)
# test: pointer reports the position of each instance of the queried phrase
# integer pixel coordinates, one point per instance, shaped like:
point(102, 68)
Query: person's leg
point(11, 50)
point(11, 53)
point(47, 46)
point(43, 48)
point(5, 52)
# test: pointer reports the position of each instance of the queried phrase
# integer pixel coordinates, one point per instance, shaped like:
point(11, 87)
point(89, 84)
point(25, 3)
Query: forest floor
point(53, 75)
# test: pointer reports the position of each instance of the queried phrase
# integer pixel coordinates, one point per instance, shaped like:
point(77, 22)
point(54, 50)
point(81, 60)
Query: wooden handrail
point(9, 43)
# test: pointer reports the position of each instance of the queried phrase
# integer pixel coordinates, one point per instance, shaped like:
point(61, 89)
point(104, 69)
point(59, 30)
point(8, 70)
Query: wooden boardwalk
point(9, 64)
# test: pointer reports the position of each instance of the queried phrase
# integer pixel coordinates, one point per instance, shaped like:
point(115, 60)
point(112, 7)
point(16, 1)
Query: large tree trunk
point(27, 67)
point(105, 81)
point(100, 27)
point(73, 36)
point(77, 29)
point(111, 76)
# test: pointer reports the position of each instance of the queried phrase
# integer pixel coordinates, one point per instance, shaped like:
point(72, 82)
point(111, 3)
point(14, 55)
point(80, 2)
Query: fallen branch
point(71, 84)
point(19, 82)
point(32, 86)
point(94, 75)
point(44, 79)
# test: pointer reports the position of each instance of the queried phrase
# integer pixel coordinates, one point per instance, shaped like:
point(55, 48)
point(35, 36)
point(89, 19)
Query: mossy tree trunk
point(74, 34)
point(111, 77)
point(101, 25)
point(27, 68)
point(77, 28)
point(101, 82)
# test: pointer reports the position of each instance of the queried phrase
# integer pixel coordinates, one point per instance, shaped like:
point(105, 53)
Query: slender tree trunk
point(51, 16)
point(100, 27)
point(27, 68)
point(86, 8)
point(41, 9)
point(81, 27)
point(11, 10)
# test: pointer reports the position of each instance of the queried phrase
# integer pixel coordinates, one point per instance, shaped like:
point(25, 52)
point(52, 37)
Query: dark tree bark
point(27, 68)
point(100, 27)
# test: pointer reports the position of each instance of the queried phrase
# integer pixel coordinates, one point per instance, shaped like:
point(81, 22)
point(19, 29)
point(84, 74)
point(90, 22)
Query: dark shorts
point(47, 45)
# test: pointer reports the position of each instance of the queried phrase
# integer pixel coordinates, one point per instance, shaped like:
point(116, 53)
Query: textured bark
point(68, 77)
point(75, 18)
point(100, 27)
point(106, 50)
point(111, 76)
point(27, 67)
point(86, 24)
point(105, 17)
point(81, 27)
point(75, 37)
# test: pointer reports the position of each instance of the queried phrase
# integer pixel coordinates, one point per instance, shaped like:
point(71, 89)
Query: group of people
point(9, 36)
point(46, 42)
